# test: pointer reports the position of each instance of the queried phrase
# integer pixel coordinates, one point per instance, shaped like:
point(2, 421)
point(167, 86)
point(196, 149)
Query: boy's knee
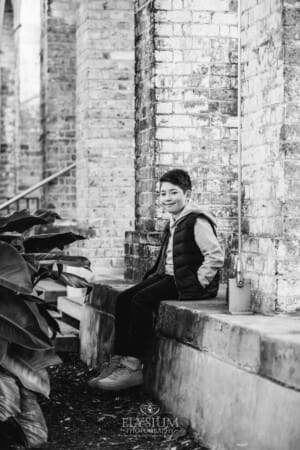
point(140, 301)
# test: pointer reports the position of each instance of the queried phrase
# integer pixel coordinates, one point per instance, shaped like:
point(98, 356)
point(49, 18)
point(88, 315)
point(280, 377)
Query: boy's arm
point(210, 249)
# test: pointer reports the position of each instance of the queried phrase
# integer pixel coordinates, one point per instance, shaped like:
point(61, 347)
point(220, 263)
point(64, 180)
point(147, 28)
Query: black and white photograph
point(150, 224)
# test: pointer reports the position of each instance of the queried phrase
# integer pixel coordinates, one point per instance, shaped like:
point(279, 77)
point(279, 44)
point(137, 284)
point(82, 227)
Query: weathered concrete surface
point(267, 346)
point(68, 340)
point(97, 322)
point(49, 290)
point(70, 306)
point(227, 407)
point(234, 379)
point(90, 336)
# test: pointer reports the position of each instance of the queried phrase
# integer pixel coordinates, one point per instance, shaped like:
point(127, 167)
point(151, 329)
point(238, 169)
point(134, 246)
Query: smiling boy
point(187, 268)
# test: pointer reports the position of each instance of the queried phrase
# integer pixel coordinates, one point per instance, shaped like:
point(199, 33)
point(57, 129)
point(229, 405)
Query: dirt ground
point(79, 417)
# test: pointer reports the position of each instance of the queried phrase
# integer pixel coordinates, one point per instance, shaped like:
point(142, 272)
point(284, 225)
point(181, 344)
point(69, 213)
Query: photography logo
point(149, 421)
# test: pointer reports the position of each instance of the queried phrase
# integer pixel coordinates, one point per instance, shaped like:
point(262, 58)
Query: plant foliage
point(26, 349)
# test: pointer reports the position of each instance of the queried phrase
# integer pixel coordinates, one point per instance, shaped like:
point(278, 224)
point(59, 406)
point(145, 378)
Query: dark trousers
point(134, 313)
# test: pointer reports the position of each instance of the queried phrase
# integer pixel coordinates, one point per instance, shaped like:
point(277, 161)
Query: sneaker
point(122, 378)
point(107, 369)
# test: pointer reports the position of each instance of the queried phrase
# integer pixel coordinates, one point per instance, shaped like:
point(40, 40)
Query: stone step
point(50, 290)
point(97, 320)
point(234, 379)
point(68, 339)
point(70, 307)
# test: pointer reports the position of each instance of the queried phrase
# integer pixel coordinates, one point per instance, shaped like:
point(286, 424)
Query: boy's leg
point(143, 304)
point(123, 314)
point(122, 320)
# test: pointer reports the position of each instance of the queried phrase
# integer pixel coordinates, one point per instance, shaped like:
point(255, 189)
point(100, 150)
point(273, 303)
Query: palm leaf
point(21, 323)
point(35, 359)
point(46, 242)
point(15, 333)
point(14, 272)
point(70, 279)
point(47, 214)
point(20, 221)
point(3, 348)
point(32, 420)
point(34, 380)
point(10, 397)
point(44, 259)
point(52, 323)
point(40, 320)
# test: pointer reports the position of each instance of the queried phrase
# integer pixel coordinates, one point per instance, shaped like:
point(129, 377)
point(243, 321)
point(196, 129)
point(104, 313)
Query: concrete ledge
point(267, 346)
point(50, 290)
point(227, 407)
point(234, 379)
point(98, 321)
point(70, 307)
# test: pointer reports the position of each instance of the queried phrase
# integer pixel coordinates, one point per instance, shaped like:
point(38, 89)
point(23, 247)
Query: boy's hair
point(178, 177)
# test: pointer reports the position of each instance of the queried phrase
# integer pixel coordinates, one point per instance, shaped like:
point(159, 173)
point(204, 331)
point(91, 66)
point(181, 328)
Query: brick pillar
point(271, 170)
point(30, 160)
point(186, 62)
point(58, 102)
point(8, 104)
point(105, 128)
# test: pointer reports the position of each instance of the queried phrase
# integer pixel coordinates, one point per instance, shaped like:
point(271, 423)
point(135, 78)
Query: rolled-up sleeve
point(210, 249)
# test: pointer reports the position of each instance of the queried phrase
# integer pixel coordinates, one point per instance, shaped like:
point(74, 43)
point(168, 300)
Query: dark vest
point(187, 259)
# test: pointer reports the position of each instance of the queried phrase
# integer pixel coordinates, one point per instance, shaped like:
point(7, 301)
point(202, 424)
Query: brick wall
point(105, 128)
point(7, 105)
point(270, 139)
point(288, 254)
point(58, 102)
point(186, 61)
point(145, 151)
point(142, 244)
point(185, 105)
point(30, 158)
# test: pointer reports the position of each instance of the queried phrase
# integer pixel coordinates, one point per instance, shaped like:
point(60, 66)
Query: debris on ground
point(79, 417)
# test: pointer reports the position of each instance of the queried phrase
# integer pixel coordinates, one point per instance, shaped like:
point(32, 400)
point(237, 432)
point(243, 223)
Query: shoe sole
point(94, 381)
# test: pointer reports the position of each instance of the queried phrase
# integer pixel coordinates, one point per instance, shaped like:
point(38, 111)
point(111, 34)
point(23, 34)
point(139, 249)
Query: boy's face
point(173, 198)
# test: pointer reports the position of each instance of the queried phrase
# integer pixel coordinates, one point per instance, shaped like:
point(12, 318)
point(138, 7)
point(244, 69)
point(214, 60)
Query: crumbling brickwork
point(270, 141)
point(142, 244)
point(186, 62)
point(58, 102)
point(288, 253)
